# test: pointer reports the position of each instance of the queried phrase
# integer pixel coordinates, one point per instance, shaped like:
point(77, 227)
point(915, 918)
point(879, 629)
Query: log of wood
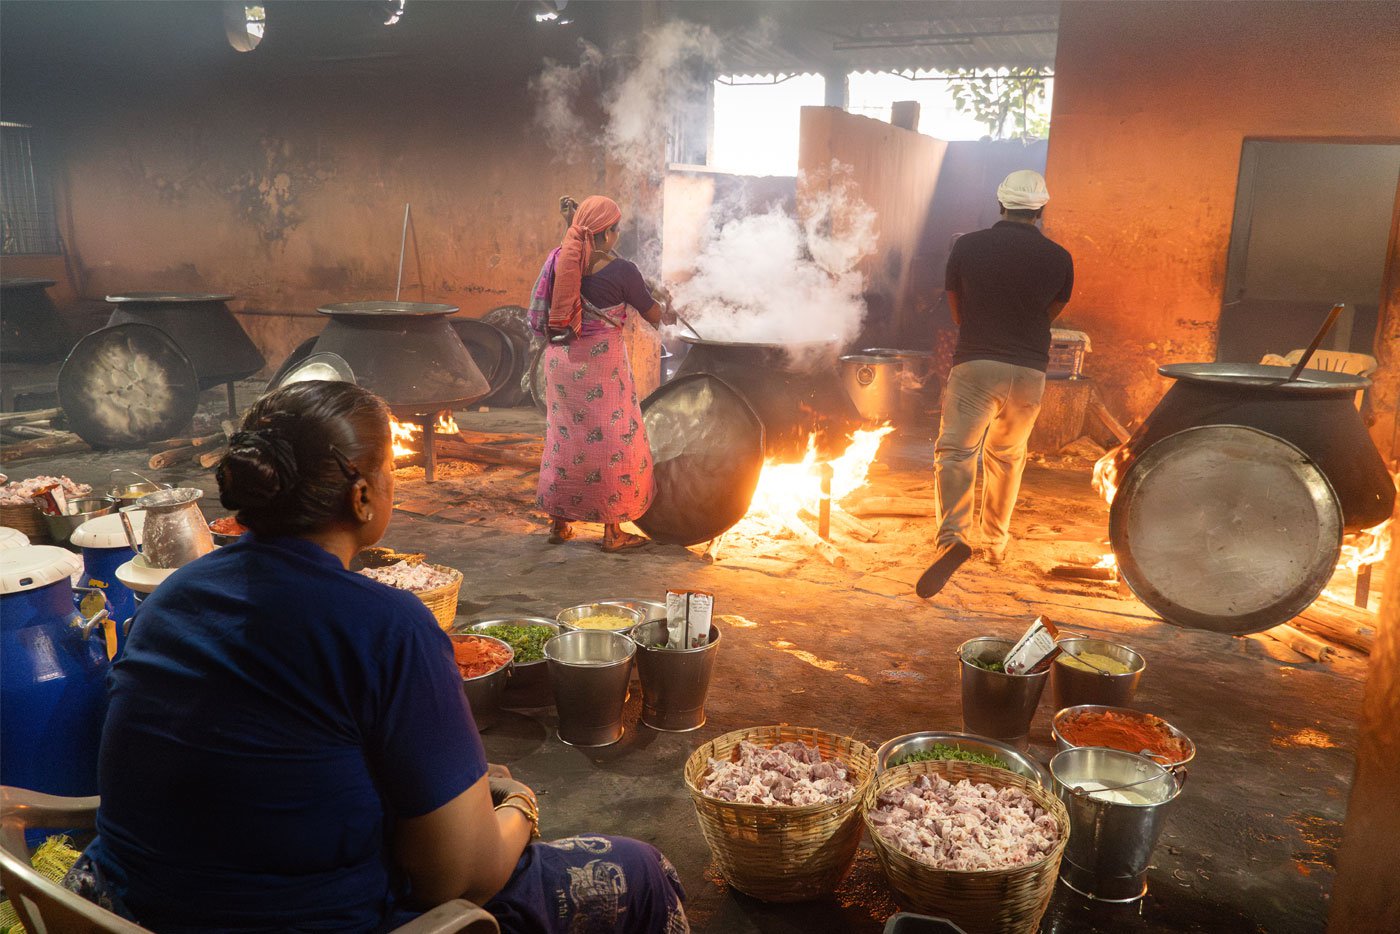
point(1101, 412)
point(847, 524)
point(490, 437)
point(894, 506)
point(1301, 642)
point(163, 459)
point(515, 456)
point(1337, 622)
point(1076, 572)
point(812, 540)
point(66, 443)
point(209, 459)
point(25, 418)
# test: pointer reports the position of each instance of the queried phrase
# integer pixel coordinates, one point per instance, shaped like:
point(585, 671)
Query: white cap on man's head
point(1023, 190)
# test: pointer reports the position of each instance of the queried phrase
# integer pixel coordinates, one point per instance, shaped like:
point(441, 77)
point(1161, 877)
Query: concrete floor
point(1250, 845)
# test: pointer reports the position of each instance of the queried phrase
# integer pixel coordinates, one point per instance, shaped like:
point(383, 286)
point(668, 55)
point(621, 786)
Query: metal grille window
point(26, 195)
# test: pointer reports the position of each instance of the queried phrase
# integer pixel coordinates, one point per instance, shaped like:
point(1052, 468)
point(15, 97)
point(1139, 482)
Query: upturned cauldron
point(1316, 413)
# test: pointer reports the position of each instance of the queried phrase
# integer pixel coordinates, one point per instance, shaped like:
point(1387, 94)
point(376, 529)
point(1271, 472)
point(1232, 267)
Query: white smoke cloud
point(649, 79)
point(774, 278)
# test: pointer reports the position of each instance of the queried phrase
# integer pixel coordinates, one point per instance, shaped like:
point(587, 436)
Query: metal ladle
point(1079, 789)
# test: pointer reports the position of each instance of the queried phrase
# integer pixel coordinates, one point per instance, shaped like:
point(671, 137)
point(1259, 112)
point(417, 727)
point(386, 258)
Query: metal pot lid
point(707, 449)
point(126, 385)
point(896, 352)
point(1225, 528)
point(107, 531)
point(1260, 376)
point(771, 345)
point(386, 309)
point(26, 282)
point(869, 359)
point(491, 349)
point(326, 366)
point(172, 297)
point(35, 566)
point(299, 353)
point(12, 538)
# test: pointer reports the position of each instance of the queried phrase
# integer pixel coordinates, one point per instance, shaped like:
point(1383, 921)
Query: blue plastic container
point(105, 548)
point(53, 691)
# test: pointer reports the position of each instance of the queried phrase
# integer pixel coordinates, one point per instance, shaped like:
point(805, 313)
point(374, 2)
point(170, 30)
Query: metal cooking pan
point(126, 385)
point(491, 349)
point(707, 446)
point(1226, 528)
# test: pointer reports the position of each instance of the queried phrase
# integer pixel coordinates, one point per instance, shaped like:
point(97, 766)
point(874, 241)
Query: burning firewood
point(1345, 625)
point(812, 540)
point(515, 456)
point(1300, 642)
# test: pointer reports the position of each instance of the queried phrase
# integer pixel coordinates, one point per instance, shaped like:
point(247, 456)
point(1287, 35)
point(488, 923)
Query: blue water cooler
point(105, 548)
point(53, 675)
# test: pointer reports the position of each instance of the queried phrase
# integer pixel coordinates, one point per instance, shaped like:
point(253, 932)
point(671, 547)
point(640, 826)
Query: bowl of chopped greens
point(529, 684)
point(965, 747)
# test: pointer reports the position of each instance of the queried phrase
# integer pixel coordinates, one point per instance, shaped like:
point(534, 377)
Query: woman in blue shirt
point(288, 746)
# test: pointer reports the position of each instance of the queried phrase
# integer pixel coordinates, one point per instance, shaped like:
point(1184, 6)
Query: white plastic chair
point(44, 906)
point(1331, 361)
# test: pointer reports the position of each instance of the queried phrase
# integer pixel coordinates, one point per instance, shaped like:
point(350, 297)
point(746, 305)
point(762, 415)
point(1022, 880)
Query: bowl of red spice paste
point(1122, 728)
point(485, 664)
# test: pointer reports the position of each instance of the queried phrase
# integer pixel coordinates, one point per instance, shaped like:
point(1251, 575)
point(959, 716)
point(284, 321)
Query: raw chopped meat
point(407, 576)
point(791, 774)
point(964, 826)
point(476, 656)
point(19, 492)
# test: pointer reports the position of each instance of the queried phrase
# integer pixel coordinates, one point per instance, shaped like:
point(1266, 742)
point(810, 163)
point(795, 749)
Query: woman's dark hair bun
point(259, 468)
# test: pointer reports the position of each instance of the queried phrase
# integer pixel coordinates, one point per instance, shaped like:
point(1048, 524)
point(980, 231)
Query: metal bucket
point(570, 618)
point(873, 383)
point(1071, 687)
point(486, 692)
point(1111, 841)
point(674, 681)
point(994, 704)
point(589, 669)
point(61, 528)
point(128, 490)
point(528, 685)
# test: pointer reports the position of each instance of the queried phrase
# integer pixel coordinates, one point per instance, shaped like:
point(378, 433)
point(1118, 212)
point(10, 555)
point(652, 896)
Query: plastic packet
point(1035, 650)
point(688, 615)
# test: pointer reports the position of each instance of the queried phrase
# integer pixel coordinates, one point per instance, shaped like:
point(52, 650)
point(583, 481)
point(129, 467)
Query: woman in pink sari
point(597, 462)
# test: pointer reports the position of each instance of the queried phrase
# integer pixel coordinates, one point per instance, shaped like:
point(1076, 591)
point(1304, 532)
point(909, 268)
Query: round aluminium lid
point(330, 367)
point(707, 445)
point(1225, 528)
point(1263, 376)
point(386, 309)
point(170, 297)
point(107, 531)
point(12, 538)
point(33, 566)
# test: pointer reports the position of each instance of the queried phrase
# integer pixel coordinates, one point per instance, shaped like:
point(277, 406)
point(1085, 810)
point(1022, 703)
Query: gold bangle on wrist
point(525, 804)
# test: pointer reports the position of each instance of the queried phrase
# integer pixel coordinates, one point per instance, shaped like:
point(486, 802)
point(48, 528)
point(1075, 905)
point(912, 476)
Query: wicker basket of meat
point(780, 808)
point(435, 584)
point(977, 845)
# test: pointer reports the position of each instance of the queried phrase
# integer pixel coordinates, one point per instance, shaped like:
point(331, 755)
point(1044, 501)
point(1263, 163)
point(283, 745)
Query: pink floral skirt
point(597, 461)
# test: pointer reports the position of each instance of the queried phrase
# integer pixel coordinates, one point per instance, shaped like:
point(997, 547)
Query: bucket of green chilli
point(1092, 671)
point(529, 685)
point(995, 703)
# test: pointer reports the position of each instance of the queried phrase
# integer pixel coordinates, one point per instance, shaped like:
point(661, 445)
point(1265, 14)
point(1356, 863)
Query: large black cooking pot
point(404, 352)
point(1316, 413)
point(794, 388)
point(202, 327)
point(30, 328)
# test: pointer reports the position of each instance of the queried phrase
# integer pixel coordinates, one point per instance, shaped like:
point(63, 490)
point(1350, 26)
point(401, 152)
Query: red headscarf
point(595, 215)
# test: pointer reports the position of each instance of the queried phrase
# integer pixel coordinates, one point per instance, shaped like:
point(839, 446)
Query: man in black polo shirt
point(1005, 285)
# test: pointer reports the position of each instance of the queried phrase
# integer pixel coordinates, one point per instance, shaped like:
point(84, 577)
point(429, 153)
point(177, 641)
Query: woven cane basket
point(986, 901)
point(443, 600)
point(776, 853)
point(28, 520)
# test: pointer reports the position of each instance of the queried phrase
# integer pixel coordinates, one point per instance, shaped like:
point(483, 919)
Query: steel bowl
point(61, 528)
point(485, 692)
point(654, 609)
point(1074, 687)
point(567, 619)
point(1070, 712)
point(529, 684)
point(1017, 762)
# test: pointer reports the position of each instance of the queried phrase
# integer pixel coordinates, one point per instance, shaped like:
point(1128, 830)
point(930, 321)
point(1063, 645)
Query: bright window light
point(758, 119)
point(871, 94)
